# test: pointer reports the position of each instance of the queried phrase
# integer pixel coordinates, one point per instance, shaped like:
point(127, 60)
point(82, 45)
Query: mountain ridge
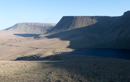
point(104, 32)
point(38, 28)
point(73, 22)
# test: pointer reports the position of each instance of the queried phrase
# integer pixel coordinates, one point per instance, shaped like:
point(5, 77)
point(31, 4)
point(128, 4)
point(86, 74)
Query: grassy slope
point(72, 68)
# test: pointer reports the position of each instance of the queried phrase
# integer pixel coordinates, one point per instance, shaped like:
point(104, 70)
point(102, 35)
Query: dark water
point(112, 53)
point(27, 35)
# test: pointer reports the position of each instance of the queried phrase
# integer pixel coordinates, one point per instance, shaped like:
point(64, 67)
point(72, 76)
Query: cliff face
point(94, 31)
point(118, 34)
point(126, 14)
point(39, 28)
point(74, 22)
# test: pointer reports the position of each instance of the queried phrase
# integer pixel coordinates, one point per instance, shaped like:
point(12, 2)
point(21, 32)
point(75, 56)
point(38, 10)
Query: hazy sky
point(51, 11)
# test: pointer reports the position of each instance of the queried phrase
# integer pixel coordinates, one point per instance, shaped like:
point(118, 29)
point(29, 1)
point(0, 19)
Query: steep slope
point(118, 34)
point(39, 28)
point(74, 22)
point(94, 31)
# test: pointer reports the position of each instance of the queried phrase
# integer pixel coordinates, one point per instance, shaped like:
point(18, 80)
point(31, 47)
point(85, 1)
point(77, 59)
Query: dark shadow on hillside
point(62, 62)
point(37, 57)
point(27, 35)
point(88, 36)
point(81, 68)
point(91, 37)
point(91, 45)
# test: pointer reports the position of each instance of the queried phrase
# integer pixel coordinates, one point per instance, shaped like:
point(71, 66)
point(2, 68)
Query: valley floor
point(56, 68)
point(14, 45)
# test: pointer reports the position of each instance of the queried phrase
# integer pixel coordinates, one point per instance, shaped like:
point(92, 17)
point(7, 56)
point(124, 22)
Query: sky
point(51, 11)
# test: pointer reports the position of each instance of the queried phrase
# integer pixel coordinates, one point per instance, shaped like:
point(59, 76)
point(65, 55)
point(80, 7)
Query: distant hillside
point(94, 31)
point(39, 28)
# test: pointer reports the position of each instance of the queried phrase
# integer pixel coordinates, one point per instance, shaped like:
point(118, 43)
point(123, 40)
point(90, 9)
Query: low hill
point(38, 28)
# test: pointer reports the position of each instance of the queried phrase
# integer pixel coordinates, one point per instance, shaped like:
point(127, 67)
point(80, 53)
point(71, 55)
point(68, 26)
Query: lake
point(112, 53)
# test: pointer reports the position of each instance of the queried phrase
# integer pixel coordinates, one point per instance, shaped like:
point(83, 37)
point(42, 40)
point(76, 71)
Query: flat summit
point(38, 28)
point(94, 31)
point(73, 22)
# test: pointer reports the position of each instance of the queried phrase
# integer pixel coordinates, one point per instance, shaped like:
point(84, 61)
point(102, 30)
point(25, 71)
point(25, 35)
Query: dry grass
point(13, 46)
point(70, 68)
point(20, 71)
